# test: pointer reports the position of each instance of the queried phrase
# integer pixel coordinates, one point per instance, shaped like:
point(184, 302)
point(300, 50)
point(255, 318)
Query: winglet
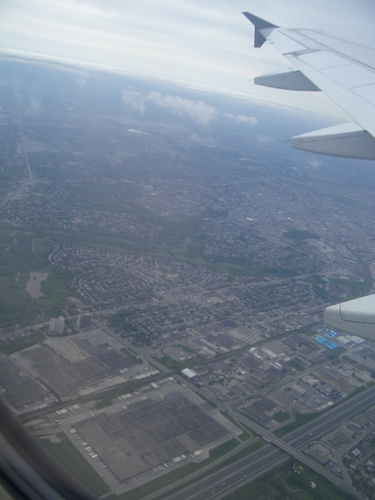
point(259, 24)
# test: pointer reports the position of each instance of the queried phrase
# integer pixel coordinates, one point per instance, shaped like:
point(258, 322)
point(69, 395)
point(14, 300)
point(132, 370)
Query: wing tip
point(259, 24)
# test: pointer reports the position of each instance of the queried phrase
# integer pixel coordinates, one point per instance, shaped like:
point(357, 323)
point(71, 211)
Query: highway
point(246, 469)
point(30, 179)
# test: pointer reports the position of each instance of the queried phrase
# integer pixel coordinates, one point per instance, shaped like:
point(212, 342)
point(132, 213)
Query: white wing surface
point(355, 316)
point(343, 70)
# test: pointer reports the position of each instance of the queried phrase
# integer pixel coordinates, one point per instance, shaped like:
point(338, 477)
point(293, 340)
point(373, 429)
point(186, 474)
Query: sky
point(206, 44)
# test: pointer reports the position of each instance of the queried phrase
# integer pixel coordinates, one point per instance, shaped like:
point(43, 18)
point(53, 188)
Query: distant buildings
point(189, 374)
point(56, 325)
point(84, 321)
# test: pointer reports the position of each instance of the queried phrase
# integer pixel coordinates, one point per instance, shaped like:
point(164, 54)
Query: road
point(279, 450)
point(27, 182)
point(246, 469)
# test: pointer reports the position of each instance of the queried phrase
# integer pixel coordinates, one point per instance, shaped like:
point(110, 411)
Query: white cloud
point(81, 82)
point(134, 99)
point(32, 107)
point(250, 120)
point(264, 139)
point(199, 111)
point(314, 163)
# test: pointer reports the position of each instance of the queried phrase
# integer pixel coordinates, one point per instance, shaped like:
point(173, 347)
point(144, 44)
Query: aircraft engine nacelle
point(356, 317)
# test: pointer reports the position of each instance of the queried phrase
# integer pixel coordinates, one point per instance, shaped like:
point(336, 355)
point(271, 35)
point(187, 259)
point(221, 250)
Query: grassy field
point(76, 464)
point(318, 285)
point(296, 365)
point(300, 420)
point(291, 481)
point(8, 347)
point(115, 393)
point(281, 416)
point(177, 474)
point(132, 355)
point(15, 305)
point(55, 292)
point(356, 289)
point(39, 247)
point(309, 332)
point(172, 364)
point(299, 237)
point(233, 459)
point(245, 434)
point(252, 419)
point(22, 252)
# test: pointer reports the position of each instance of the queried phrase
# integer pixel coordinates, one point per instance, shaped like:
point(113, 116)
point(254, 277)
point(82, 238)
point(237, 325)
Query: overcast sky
point(206, 43)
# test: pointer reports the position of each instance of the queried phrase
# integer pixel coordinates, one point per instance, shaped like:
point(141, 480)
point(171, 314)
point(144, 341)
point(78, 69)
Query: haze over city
point(197, 44)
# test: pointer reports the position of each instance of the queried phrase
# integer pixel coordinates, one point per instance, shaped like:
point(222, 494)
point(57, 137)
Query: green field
point(246, 434)
point(318, 285)
point(16, 307)
point(233, 459)
point(22, 252)
point(296, 365)
point(107, 400)
point(309, 332)
point(172, 364)
point(71, 459)
point(301, 419)
point(132, 355)
point(8, 347)
point(291, 481)
point(281, 416)
point(299, 237)
point(355, 288)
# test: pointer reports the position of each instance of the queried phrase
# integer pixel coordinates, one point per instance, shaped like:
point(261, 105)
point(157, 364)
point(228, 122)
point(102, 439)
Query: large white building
point(56, 325)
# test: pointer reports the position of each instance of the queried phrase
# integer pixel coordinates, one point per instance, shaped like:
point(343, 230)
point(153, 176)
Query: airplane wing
point(343, 70)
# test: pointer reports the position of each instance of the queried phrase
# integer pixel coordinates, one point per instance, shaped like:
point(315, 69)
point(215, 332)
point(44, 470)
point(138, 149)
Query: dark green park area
point(299, 237)
point(355, 288)
point(10, 346)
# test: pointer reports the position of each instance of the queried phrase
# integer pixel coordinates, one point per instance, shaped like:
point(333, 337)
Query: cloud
point(314, 163)
point(134, 99)
point(198, 110)
point(250, 120)
point(264, 139)
point(81, 82)
point(32, 107)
